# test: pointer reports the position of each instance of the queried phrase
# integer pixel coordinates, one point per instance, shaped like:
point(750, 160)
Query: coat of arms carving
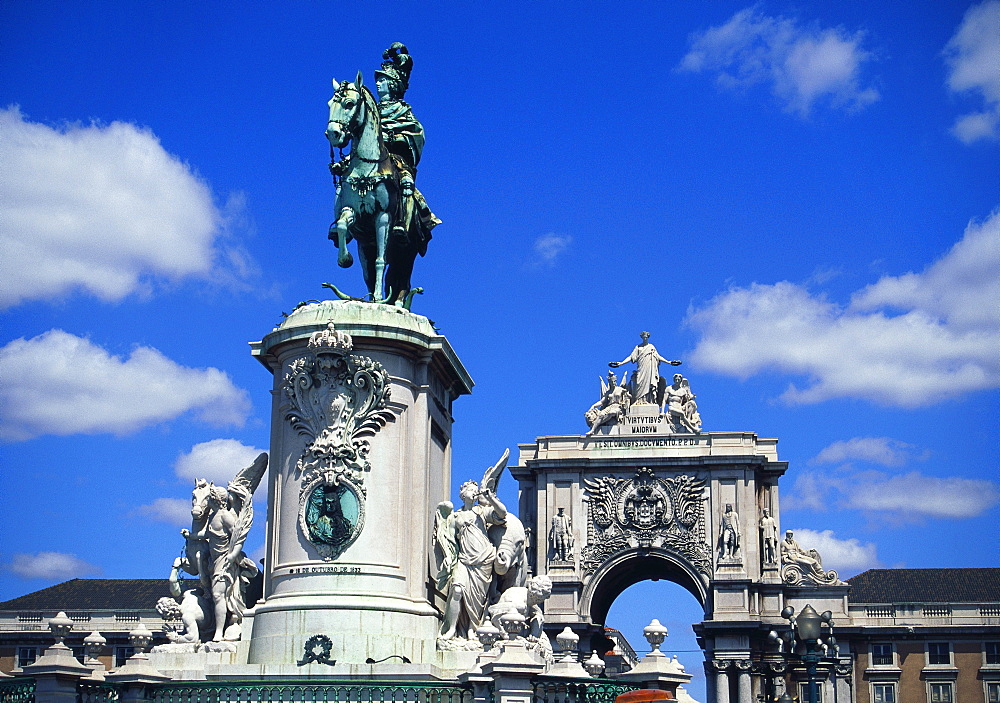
point(646, 512)
point(338, 400)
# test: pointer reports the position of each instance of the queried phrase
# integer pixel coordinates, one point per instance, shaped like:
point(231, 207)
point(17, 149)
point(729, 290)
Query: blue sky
point(799, 200)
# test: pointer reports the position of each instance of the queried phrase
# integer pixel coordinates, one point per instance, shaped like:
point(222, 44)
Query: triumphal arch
point(646, 493)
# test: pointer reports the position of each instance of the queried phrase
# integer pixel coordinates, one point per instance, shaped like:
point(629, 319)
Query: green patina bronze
point(378, 204)
point(332, 515)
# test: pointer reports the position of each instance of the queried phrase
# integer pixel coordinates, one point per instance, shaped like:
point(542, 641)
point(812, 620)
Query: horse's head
point(347, 111)
point(200, 499)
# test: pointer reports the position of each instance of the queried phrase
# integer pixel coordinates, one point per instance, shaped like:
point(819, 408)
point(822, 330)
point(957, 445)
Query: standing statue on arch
point(646, 386)
point(378, 204)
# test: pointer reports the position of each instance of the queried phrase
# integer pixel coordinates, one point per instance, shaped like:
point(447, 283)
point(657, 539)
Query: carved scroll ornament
point(338, 401)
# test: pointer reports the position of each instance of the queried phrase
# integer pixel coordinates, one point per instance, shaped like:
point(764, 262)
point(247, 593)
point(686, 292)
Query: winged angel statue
point(220, 521)
point(479, 552)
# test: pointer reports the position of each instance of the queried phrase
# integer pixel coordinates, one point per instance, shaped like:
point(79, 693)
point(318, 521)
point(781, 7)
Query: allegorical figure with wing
point(221, 520)
point(475, 545)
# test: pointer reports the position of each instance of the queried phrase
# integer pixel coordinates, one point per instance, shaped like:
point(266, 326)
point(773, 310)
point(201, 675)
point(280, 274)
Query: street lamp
point(807, 628)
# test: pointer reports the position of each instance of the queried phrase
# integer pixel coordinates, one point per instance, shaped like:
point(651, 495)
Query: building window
point(26, 656)
point(992, 650)
point(80, 653)
point(884, 693)
point(992, 692)
point(122, 654)
point(804, 692)
point(882, 655)
point(938, 653)
point(941, 693)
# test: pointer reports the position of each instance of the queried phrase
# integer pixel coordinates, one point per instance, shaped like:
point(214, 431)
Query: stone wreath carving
point(646, 512)
point(317, 649)
point(338, 401)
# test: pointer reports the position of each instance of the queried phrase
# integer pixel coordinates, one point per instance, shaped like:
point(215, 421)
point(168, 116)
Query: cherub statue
point(191, 607)
point(527, 600)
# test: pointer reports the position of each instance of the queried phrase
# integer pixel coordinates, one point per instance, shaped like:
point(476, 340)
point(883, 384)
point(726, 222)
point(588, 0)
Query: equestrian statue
point(378, 204)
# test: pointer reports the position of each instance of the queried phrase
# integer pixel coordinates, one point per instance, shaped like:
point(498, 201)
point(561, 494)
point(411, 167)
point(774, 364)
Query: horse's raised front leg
point(382, 224)
point(338, 233)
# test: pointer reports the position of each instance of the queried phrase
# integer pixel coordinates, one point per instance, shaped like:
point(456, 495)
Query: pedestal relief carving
point(646, 511)
point(337, 400)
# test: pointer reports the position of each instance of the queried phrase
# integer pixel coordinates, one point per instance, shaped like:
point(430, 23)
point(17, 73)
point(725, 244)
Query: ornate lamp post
point(807, 629)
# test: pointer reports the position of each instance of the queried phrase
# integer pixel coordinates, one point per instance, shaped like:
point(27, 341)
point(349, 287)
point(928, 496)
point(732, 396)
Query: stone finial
point(93, 644)
point(655, 633)
point(140, 638)
point(60, 626)
point(594, 665)
point(567, 641)
point(488, 635)
point(513, 624)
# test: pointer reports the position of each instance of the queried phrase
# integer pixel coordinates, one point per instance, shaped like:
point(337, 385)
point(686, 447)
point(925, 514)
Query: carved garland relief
point(337, 400)
point(646, 512)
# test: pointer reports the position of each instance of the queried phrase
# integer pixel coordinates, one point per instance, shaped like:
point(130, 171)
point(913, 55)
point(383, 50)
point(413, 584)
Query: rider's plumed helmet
point(397, 65)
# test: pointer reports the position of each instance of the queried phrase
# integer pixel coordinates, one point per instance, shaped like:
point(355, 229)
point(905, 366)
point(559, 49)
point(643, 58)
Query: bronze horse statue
point(368, 199)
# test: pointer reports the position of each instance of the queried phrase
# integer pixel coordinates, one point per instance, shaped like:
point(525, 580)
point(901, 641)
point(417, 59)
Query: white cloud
point(876, 450)
point(914, 495)
point(840, 554)
point(217, 460)
point(550, 247)
point(943, 343)
point(899, 498)
point(51, 566)
point(973, 57)
point(60, 384)
point(802, 65)
point(103, 209)
point(173, 511)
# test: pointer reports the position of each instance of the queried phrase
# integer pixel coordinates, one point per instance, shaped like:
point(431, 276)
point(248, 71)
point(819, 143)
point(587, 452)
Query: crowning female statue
point(377, 201)
point(646, 387)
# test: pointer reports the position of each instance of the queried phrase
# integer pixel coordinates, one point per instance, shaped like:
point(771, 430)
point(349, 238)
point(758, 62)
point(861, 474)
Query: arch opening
point(676, 608)
point(631, 567)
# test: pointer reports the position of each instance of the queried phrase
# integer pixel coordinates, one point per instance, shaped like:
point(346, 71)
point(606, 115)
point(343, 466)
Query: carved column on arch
point(843, 673)
point(721, 669)
point(743, 667)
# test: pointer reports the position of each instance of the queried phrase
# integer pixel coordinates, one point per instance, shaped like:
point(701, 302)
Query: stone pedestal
point(372, 599)
point(56, 675)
